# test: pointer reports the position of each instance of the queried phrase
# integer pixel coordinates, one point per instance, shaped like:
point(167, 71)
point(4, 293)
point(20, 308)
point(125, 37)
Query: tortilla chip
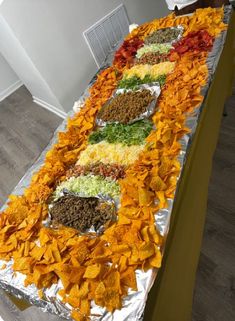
point(128, 278)
point(92, 271)
point(146, 250)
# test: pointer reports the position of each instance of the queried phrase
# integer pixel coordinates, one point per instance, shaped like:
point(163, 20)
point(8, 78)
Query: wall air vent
point(106, 33)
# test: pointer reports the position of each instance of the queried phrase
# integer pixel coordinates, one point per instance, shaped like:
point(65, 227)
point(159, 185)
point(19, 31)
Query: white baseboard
point(5, 93)
point(53, 109)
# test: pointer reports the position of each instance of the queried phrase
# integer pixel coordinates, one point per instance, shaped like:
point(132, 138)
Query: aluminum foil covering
point(154, 89)
point(134, 303)
point(179, 28)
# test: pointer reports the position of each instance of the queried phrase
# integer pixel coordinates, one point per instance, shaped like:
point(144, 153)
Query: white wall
point(50, 31)
point(20, 61)
point(9, 81)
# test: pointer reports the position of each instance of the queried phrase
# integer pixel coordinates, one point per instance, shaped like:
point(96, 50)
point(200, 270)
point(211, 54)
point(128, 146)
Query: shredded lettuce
point(134, 82)
point(133, 134)
point(88, 186)
point(161, 48)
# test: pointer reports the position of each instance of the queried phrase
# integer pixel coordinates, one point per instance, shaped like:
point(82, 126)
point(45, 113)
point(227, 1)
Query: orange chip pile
point(102, 268)
point(203, 19)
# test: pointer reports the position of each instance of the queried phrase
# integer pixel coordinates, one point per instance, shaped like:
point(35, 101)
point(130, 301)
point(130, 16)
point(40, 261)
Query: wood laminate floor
point(25, 129)
point(214, 295)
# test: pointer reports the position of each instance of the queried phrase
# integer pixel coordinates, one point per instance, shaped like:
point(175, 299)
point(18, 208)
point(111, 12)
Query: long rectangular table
point(171, 296)
point(170, 299)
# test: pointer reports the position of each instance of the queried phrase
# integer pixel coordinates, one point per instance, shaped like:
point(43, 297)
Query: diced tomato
point(194, 41)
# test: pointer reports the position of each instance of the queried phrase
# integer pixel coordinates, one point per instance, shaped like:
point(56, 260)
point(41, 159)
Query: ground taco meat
point(163, 36)
point(126, 107)
point(81, 213)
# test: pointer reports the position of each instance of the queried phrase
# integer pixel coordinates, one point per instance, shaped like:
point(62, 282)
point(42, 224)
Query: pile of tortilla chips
point(102, 268)
point(203, 19)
